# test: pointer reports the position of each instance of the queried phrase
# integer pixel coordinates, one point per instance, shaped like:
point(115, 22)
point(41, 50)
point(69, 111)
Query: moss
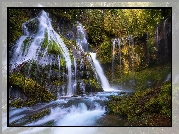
point(27, 42)
point(16, 103)
point(58, 83)
point(32, 90)
point(44, 43)
point(142, 104)
point(53, 48)
point(68, 43)
point(62, 62)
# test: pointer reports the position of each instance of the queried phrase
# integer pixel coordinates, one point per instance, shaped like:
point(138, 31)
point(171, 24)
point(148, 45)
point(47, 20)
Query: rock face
point(57, 64)
point(163, 40)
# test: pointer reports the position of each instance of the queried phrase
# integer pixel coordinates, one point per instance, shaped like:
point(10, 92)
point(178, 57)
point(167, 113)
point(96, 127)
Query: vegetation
point(143, 108)
point(138, 60)
point(143, 79)
point(17, 18)
point(32, 90)
point(148, 103)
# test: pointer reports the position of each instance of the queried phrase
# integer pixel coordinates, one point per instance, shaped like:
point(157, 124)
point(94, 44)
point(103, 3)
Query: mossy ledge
point(31, 89)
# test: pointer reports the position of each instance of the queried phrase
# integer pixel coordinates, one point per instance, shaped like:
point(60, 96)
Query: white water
point(114, 45)
point(104, 81)
point(77, 111)
point(113, 54)
point(72, 116)
point(81, 40)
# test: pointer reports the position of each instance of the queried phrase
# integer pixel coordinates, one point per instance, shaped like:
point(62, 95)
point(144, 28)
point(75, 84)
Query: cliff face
point(163, 40)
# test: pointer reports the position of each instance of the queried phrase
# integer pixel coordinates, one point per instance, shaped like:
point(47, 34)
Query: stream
point(86, 110)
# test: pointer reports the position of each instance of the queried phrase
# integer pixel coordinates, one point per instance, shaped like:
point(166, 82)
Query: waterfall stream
point(67, 110)
point(104, 81)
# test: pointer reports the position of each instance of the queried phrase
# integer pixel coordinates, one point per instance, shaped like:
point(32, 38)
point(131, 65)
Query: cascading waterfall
point(113, 54)
point(75, 82)
point(116, 44)
point(84, 110)
point(131, 44)
point(17, 55)
point(81, 40)
point(120, 58)
point(104, 81)
point(31, 53)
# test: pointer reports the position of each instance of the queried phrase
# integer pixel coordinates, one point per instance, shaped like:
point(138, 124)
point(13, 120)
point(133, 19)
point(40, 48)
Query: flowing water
point(68, 111)
point(116, 44)
point(82, 110)
point(104, 81)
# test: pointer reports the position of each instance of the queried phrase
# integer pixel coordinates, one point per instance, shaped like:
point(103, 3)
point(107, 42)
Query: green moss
point(44, 44)
point(27, 42)
point(32, 90)
point(62, 62)
point(143, 103)
point(16, 18)
point(16, 103)
point(58, 83)
point(53, 48)
point(68, 43)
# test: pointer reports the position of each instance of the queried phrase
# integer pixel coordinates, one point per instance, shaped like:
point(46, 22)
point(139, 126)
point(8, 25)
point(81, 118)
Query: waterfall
point(114, 45)
point(75, 82)
point(120, 58)
point(81, 37)
point(104, 81)
point(37, 35)
point(34, 46)
point(113, 54)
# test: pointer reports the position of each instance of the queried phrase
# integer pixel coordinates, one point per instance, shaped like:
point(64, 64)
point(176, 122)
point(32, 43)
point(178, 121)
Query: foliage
point(145, 78)
point(103, 53)
point(16, 18)
point(142, 104)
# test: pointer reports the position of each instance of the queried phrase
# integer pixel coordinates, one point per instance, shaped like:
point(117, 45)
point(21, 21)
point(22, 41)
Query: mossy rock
point(31, 89)
point(33, 26)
